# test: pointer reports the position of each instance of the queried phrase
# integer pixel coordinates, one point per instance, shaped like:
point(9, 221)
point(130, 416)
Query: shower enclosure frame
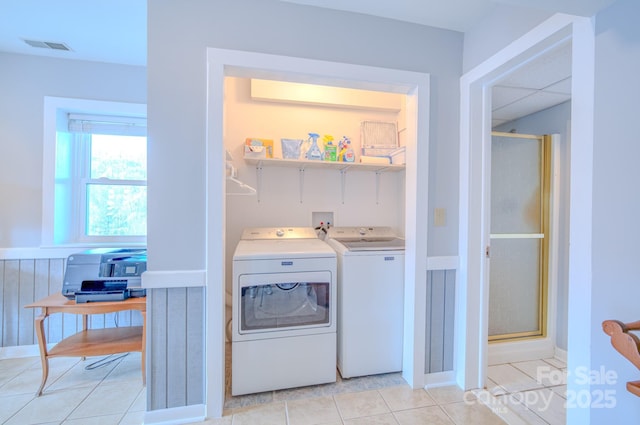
point(544, 237)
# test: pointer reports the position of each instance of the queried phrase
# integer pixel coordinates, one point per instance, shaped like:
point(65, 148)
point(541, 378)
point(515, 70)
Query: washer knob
point(279, 233)
point(362, 231)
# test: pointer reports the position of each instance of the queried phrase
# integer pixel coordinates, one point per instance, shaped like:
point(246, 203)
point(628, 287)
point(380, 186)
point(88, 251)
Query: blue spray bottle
point(314, 152)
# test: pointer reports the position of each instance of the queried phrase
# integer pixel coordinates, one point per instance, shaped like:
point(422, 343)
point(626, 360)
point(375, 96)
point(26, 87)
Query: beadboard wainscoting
point(176, 362)
point(441, 286)
point(23, 281)
point(440, 321)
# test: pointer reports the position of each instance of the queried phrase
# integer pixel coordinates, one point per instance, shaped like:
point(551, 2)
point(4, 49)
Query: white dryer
point(370, 299)
point(283, 312)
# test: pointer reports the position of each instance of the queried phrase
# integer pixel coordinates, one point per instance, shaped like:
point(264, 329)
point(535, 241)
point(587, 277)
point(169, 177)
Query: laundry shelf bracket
point(343, 182)
point(301, 175)
point(259, 180)
point(378, 186)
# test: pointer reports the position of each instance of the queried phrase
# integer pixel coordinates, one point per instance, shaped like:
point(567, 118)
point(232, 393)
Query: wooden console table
point(90, 342)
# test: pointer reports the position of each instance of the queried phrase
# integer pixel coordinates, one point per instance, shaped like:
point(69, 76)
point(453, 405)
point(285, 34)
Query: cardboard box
point(255, 142)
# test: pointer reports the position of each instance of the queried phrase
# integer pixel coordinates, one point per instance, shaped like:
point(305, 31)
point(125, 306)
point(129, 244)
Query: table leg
point(144, 347)
point(42, 344)
point(85, 326)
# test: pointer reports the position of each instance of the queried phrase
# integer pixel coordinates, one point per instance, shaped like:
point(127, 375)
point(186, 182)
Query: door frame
point(472, 299)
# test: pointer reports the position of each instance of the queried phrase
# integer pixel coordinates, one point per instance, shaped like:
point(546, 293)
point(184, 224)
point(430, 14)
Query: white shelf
point(340, 166)
point(303, 165)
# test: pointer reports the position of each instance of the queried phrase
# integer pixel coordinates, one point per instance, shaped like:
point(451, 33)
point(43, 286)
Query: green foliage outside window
point(116, 193)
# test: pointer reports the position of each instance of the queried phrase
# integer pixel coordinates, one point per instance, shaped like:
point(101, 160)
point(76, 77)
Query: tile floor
point(371, 400)
point(534, 390)
point(114, 395)
point(74, 395)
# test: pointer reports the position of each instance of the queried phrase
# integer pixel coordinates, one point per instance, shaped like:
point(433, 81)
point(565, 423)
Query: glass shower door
point(520, 167)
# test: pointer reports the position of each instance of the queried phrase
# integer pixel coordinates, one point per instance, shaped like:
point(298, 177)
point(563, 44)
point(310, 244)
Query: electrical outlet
point(439, 217)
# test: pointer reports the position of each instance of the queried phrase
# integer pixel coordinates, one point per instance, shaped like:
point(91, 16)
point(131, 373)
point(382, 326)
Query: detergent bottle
point(329, 148)
point(314, 152)
point(349, 155)
point(342, 148)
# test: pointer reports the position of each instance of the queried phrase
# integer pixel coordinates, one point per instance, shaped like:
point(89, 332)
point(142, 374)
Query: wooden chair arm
point(625, 343)
point(633, 326)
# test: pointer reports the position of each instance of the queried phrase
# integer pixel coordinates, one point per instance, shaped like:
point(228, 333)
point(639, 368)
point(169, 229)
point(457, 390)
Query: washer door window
point(287, 302)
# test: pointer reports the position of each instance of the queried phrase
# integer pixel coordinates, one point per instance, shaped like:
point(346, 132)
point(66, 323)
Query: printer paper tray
point(97, 296)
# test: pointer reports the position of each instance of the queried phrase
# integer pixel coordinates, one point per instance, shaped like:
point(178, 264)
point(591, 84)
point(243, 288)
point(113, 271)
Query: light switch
point(439, 217)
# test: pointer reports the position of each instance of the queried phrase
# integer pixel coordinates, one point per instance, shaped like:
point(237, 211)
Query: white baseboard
point(439, 379)
point(176, 415)
point(561, 354)
point(521, 351)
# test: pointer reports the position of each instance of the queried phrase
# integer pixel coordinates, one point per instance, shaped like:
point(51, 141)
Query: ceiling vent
point(47, 45)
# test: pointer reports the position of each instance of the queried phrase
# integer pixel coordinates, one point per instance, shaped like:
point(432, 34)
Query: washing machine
point(283, 310)
point(370, 299)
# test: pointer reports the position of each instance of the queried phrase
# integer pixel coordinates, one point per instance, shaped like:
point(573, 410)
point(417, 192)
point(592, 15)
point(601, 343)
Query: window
point(115, 187)
point(95, 173)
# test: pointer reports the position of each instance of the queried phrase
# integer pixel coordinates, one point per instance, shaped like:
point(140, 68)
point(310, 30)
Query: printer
point(105, 274)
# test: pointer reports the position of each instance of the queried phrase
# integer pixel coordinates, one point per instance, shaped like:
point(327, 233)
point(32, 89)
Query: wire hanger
point(237, 187)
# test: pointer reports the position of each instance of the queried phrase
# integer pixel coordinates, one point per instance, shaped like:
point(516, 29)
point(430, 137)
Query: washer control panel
point(262, 233)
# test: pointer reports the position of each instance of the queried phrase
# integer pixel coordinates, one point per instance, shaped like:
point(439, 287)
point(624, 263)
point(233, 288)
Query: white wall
point(178, 37)
point(493, 33)
point(555, 120)
point(24, 82)
point(616, 204)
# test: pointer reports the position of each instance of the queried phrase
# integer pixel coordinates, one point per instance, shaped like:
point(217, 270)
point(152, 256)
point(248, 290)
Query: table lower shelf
point(99, 342)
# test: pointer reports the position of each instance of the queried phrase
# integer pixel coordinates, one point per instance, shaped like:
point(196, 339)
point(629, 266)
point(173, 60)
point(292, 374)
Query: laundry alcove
point(415, 86)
